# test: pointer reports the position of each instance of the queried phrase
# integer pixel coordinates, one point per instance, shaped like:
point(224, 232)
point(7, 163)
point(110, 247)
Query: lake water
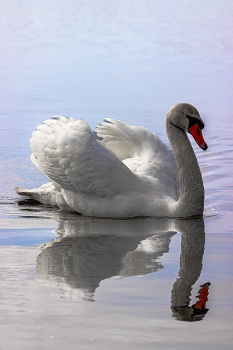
point(84, 283)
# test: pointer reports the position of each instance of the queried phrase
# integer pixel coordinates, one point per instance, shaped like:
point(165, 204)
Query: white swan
point(128, 174)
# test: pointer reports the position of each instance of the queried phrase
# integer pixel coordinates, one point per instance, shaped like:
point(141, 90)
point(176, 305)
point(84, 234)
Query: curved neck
point(191, 200)
point(192, 250)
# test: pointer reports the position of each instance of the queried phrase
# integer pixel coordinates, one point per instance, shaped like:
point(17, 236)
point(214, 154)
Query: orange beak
point(197, 135)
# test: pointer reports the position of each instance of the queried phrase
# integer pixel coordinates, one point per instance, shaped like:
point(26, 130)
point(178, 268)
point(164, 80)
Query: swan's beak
point(197, 135)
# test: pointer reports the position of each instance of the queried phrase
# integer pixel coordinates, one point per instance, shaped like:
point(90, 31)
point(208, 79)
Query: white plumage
point(129, 173)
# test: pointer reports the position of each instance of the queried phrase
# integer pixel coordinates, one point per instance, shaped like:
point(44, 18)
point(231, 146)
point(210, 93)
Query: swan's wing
point(142, 151)
point(136, 146)
point(65, 150)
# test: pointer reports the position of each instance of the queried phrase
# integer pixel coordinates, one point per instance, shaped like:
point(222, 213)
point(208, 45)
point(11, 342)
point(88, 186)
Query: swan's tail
point(23, 191)
point(41, 194)
point(46, 194)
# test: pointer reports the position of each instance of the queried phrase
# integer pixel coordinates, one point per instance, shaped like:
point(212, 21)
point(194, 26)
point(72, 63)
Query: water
point(131, 61)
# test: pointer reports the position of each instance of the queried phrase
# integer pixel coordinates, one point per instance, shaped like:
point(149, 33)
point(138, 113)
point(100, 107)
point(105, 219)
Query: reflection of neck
point(192, 250)
point(191, 201)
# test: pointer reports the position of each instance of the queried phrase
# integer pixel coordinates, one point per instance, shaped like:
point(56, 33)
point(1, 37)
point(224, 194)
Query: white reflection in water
point(88, 251)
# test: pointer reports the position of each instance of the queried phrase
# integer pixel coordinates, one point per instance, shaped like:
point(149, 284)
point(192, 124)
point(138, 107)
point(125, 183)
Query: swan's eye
point(193, 121)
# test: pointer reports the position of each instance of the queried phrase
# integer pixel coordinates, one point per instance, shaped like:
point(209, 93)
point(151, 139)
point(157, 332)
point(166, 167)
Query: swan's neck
point(191, 200)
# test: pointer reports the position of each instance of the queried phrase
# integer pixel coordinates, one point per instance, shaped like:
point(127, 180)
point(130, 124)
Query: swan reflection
point(192, 251)
point(89, 250)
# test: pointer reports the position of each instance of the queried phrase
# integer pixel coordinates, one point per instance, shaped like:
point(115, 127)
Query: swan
point(128, 173)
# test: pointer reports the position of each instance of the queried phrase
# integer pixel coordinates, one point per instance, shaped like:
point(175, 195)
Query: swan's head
point(187, 117)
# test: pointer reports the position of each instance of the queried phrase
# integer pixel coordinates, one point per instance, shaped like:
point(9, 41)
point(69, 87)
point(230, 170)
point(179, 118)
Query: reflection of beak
point(197, 135)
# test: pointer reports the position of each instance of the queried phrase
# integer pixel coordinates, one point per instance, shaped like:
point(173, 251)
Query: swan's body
point(127, 174)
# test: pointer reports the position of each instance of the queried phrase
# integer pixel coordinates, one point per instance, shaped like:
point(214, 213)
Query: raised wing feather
point(65, 150)
point(142, 151)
